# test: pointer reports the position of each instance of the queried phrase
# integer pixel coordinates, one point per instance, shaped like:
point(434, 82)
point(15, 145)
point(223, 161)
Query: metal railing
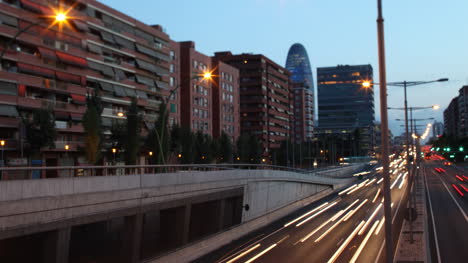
point(43, 172)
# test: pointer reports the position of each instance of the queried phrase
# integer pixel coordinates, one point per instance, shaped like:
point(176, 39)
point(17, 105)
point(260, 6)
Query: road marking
point(453, 198)
point(433, 221)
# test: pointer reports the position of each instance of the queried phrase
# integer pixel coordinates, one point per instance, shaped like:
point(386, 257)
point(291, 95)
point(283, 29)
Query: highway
point(343, 227)
point(447, 211)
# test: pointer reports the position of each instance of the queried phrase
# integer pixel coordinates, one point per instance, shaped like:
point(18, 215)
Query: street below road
point(447, 195)
point(343, 227)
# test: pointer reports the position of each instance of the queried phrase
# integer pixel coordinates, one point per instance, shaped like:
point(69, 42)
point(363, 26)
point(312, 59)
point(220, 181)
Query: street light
point(2, 144)
point(59, 17)
point(207, 75)
point(114, 151)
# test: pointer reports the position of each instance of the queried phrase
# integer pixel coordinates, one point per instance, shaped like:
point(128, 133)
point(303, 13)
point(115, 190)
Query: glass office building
point(297, 62)
point(344, 106)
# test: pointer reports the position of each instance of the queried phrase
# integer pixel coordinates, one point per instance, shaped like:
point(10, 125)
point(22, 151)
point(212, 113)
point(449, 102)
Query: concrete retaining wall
point(26, 203)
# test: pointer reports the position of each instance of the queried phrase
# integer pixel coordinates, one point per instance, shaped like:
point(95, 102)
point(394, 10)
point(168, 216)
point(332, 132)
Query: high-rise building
point(297, 62)
point(196, 93)
point(463, 111)
point(265, 100)
point(451, 117)
point(437, 129)
point(345, 107)
point(208, 105)
point(225, 100)
point(101, 49)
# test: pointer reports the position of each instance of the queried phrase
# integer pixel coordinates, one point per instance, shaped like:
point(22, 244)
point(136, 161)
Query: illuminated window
point(357, 74)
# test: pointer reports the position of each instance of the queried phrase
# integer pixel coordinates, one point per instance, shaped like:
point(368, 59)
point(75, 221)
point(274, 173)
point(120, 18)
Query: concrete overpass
point(148, 216)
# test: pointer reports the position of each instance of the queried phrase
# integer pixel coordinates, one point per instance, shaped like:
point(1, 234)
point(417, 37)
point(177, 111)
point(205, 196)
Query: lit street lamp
point(114, 151)
point(58, 18)
point(2, 144)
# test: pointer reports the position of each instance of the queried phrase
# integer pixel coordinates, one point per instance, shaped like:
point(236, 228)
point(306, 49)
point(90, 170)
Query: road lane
point(285, 244)
point(449, 225)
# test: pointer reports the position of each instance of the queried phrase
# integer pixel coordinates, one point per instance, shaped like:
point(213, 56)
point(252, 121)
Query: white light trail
point(352, 212)
point(369, 220)
point(361, 185)
point(244, 253)
point(347, 189)
point(370, 182)
point(376, 195)
point(306, 214)
point(380, 226)
point(364, 242)
point(380, 180)
point(316, 214)
point(328, 221)
point(261, 253)
point(395, 182)
point(345, 243)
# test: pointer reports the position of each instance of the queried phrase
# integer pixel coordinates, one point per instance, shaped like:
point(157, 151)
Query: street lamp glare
point(207, 75)
point(67, 147)
point(60, 17)
point(2, 143)
point(366, 84)
point(435, 107)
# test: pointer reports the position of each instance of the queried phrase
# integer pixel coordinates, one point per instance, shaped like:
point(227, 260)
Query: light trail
point(380, 180)
point(261, 253)
point(369, 220)
point(345, 243)
point(377, 231)
point(316, 214)
point(395, 182)
point(347, 189)
point(306, 214)
point(328, 221)
point(244, 253)
point(402, 183)
point(376, 195)
point(361, 185)
point(352, 212)
point(364, 242)
point(370, 182)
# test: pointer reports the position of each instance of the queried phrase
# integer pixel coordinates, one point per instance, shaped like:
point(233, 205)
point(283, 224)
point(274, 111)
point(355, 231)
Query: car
point(447, 163)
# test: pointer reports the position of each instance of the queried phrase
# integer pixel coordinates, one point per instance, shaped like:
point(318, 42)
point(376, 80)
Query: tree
point(40, 130)
point(225, 150)
point(132, 147)
point(161, 134)
point(92, 128)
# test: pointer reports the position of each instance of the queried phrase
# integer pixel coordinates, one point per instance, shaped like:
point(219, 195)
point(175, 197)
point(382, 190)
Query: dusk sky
point(425, 39)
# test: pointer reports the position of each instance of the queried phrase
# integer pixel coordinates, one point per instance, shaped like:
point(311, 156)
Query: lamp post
point(114, 151)
point(2, 144)
point(59, 17)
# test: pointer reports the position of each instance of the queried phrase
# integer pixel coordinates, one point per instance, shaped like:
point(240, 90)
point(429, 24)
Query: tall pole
point(408, 166)
point(384, 134)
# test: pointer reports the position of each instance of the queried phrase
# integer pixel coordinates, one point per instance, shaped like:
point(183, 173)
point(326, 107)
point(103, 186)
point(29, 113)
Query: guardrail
point(42, 172)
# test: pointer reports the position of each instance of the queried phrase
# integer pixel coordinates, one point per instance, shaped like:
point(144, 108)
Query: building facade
point(297, 62)
point(463, 111)
point(265, 98)
point(225, 100)
point(344, 106)
point(101, 50)
point(437, 129)
point(451, 118)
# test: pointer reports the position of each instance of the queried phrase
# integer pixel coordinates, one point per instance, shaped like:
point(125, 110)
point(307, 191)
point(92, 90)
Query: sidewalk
point(416, 251)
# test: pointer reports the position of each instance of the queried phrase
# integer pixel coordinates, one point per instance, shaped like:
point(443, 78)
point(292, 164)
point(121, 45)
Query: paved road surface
point(328, 230)
point(447, 212)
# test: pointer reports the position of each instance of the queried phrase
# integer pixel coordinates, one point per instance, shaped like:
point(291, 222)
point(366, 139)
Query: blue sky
point(425, 39)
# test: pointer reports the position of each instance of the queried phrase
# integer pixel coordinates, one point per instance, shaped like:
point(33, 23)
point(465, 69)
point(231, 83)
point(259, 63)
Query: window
point(171, 81)
point(195, 64)
point(172, 54)
point(171, 68)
